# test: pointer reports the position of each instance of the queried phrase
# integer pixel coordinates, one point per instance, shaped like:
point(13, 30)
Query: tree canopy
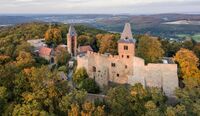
point(149, 49)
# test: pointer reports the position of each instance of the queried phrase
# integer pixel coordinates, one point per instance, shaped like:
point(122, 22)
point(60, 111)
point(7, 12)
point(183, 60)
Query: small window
point(127, 56)
point(126, 66)
point(113, 64)
point(125, 47)
point(94, 69)
point(122, 56)
point(117, 75)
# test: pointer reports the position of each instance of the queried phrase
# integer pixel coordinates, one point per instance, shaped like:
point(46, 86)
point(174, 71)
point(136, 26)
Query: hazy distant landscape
point(163, 25)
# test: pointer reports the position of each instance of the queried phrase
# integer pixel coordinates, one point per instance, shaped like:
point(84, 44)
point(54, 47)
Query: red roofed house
point(84, 49)
point(46, 53)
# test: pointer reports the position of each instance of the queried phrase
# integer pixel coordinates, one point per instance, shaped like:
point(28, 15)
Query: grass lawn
point(196, 37)
point(183, 35)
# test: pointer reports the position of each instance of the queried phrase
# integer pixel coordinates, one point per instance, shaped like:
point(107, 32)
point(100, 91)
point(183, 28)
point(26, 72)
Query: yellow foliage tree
point(53, 36)
point(108, 43)
point(188, 63)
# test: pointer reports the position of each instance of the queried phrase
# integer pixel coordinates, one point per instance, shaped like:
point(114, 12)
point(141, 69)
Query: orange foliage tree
point(188, 63)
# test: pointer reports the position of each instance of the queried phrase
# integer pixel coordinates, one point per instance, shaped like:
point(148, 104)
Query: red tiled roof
point(45, 51)
point(83, 49)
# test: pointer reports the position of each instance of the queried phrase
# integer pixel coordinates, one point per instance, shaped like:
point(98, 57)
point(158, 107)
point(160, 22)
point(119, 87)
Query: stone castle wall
point(108, 67)
point(163, 76)
point(125, 68)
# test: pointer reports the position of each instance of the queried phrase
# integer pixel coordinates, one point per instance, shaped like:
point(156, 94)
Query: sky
point(98, 6)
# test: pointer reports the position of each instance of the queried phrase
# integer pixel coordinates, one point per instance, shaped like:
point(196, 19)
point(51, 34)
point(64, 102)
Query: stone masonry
point(125, 68)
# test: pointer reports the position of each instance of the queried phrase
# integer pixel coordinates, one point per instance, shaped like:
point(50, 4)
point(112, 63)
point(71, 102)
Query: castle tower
point(72, 41)
point(126, 44)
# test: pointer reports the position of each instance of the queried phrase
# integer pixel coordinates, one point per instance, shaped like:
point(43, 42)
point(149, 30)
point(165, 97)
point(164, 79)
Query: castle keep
point(126, 68)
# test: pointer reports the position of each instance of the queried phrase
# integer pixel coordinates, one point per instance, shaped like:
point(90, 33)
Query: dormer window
point(125, 47)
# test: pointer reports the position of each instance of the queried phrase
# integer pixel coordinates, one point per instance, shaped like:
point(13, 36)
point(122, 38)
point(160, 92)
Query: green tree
point(189, 101)
point(75, 97)
point(149, 49)
point(23, 46)
point(89, 85)
point(119, 101)
point(80, 75)
point(62, 56)
point(196, 50)
point(3, 98)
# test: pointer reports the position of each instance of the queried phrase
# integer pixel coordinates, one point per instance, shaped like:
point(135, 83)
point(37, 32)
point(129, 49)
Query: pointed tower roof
point(126, 35)
point(72, 30)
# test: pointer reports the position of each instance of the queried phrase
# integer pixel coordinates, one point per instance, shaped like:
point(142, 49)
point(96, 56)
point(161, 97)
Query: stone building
point(126, 68)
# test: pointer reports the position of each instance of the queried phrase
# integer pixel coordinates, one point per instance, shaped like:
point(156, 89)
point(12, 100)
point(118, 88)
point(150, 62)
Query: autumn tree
point(107, 43)
point(89, 109)
point(188, 63)
point(72, 100)
point(4, 59)
point(53, 36)
point(24, 60)
point(149, 49)
point(84, 40)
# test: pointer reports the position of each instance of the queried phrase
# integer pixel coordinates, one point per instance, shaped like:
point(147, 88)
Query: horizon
point(115, 7)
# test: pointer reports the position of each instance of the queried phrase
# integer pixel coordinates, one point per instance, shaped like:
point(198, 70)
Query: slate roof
point(84, 49)
point(127, 36)
point(72, 30)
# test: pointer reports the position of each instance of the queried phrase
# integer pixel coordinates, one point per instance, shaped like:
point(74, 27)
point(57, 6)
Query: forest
point(29, 87)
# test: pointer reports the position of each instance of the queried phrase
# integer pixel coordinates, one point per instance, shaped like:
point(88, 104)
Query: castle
point(124, 68)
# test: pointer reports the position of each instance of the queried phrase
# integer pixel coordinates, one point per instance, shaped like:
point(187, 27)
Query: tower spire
point(126, 36)
point(127, 33)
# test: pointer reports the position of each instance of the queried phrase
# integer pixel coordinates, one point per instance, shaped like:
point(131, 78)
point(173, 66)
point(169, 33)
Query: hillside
point(164, 25)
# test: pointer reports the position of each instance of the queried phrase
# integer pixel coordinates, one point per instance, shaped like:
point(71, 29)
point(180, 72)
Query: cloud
point(24, 0)
point(98, 6)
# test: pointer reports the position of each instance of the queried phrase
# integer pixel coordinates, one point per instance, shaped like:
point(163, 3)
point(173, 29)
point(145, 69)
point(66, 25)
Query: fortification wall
point(139, 72)
point(163, 76)
point(107, 67)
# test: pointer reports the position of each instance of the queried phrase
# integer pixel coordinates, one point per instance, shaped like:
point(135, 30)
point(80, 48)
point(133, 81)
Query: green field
point(195, 37)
